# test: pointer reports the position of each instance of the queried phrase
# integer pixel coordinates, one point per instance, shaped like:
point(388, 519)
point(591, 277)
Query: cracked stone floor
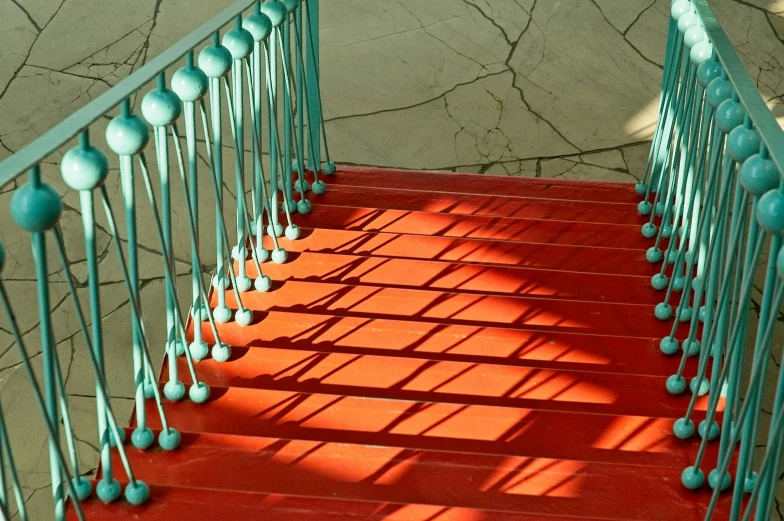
point(549, 88)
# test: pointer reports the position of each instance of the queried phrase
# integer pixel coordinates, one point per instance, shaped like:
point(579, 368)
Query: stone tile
point(19, 34)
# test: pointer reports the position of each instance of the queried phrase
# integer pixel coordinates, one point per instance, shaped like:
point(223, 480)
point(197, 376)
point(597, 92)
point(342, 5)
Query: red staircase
point(439, 347)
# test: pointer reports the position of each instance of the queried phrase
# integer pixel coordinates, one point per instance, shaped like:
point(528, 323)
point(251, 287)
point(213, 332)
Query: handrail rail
point(769, 129)
point(70, 127)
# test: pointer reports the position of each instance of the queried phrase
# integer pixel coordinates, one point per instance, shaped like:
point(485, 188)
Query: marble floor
point(549, 88)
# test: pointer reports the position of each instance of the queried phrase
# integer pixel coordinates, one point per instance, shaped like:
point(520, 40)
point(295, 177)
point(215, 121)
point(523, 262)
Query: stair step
point(477, 204)
point(450, 276)
point(560, 257)
point(459, 343)
point(440, 478)
point(460, 383)
point(187, 504)
point(475, 227)
point(536, 314)
point(445, 182)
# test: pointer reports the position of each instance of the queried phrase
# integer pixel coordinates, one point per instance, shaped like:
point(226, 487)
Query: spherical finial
point(715, 480)
point(758, 175)
point(215, 61)
point(199, 393)
point(221, 352)
point(82, 486)
point(648, 230)
point(729, 115)
point(329, 168)
point(137, 493)
point(663, 311)
point(169, 439)
point(742, 143)
point(683, 428)
point(701, 53)
point(127, 135)
point(142, 438)
point(659, 282)
point(680, 8)
point(770, 212)
point(304, 206)
point(36, 209)
point(694, 35)
point(239, 42)
point(692, 477)
point(258, 25)
point(84, 168)
point(243, 316)
point(290, 5)
point(676, 384)
point(275, 11)
point(174, 391)
point(108, 490)
point(198, 350)
point(718, 91)
point(687, 21)
point(319, 187)
point(189, 83)
point(707, 70)
point(668, 345)
point(161, 107)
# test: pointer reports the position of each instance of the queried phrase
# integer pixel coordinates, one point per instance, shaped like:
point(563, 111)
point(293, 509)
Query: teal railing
point(249, 88)
point(714, 192)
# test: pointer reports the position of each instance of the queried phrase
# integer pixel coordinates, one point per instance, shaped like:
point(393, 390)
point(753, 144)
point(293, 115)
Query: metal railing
point(714, 192)
point(249, 91)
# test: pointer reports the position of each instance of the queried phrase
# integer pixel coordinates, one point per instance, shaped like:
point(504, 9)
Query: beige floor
point(552, 88)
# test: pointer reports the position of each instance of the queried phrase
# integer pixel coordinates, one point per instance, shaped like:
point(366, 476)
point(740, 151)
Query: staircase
point(439, 347)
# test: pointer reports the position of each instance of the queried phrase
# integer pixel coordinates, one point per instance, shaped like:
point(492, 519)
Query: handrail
point(766, 124)
point(70, 127)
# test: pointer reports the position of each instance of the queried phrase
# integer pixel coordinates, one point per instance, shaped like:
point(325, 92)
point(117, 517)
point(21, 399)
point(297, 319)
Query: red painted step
point(490, 205)
point(460, 277)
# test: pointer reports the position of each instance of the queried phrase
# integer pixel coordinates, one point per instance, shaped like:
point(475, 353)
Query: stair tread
point(625, 236)
point(187, 504)
point(560, 257)
point(484, 184)
point(400, 475)
point(477, 204)
point(511, 311)
point(435, 342)
point(450, 276)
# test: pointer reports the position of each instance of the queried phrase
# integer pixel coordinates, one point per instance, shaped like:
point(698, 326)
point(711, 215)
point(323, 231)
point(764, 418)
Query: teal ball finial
point(729, 114)
point(675, 384)
point(290, 5)
point(708, 70)
point(685, 315)
point(742, 143)
point(691, 347)
point(663, 311)
point(239, 42)
point(292, 232)
point(258, 25)
point(279, 256)
point(701, 53)
point(198, 350)
point(659, 282)
point(712, 431)
point(174, 391)
point(319, 187)
point(750, 482)
point(699, 386)
point(692, 478)
point(668, 345)
point(199, 393)
point(648, 230)
point(329, 168)
point(127, 135)
point(680, 8)
point(190, 84)
point(221, 352)
point(304, 207)
point(641, 188)
point(36, 209)
point(161, 107)
point(718, 91)
point(170, 439)
point(137, 493)
point(215, 61)
point(687, 21)
point(262, 284)
point(666, 230)
point(275, 11)
point(653, 254)
point(694, 35)
point(82, 486)
point(108, 490)
point(770, 212)
point(221, 314)
point(759, 175)
point(683, 429)
point(243, 316)
point(142, 438)
point(644, 208)
point(722, 481)
point(84, 168)
point(678, 282)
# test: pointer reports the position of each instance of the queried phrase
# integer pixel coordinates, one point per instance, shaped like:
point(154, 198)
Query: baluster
point(315, 103)
point(302, 182)
point(7, 457)
point(284, 39)
point(276, 12)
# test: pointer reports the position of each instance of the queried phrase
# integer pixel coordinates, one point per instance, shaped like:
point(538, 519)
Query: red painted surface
point(442, 356)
